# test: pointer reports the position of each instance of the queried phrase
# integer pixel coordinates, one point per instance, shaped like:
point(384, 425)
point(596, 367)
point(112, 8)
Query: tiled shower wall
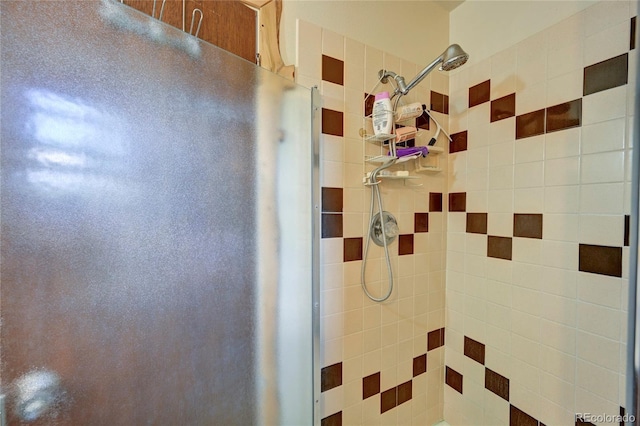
point(537, 243)
point(382, 363)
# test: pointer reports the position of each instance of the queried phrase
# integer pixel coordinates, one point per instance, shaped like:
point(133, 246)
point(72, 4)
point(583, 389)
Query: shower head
point(451, 58)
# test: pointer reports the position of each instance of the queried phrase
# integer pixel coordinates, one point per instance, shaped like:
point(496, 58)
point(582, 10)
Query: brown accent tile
point(477, 223)
point(530, 124)
point(480, 93)
point(600, 260)
point(332, 420)
point(496, 383)
point(352, 249)
point(474, 350)
point(564, 116)
point(370, 385)
point(421, 222)
point(457, 201)
point(499, 247)
point(527, 225)
point(622, 413)
point(405, 244)
point(435, 339)
point(632, 35)
point(423, 121)
point(404, 392)
point(581, 422)
point(419, 365)
point(332, 225)
point(435, 201)
point(518, 417)
point(332, 122)
point(369, 100)
point(627, 226)
point(605, 75)
point(504, 107)
point(333, 70)
point(453, 379)
point(388, 399)
point(458, 142)
point(332, 200)
point(331, 377)
point(439, 102)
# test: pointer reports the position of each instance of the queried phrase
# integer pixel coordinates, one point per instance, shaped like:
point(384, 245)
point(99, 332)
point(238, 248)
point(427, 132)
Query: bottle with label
point(382, 114)
point(407, 112)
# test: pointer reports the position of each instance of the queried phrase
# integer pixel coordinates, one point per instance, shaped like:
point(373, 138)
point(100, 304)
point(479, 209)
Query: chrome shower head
point(451, 58)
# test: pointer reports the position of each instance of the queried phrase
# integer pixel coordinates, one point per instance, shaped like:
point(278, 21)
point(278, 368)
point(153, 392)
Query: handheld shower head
point(451, 58)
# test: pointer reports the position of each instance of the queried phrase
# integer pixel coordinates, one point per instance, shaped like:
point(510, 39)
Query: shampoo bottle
point(407, 112)
point(382, 114)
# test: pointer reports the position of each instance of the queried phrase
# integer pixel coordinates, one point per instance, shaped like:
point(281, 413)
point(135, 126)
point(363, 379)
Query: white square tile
point(477, 201)
point(604, 230)
point(558, 309)
point(529, 175)
point(529, 149)
point(527, 200)
point(600, 289)
point(566, 45)
point(501, 130)
point(478, 158)
point(500, 200)
point(559, 391)
point(479, 72)
point(559, 337)
point(559, 364)
point(501, 177)
point(560, 254)
point(561, 199)
point(532, 98)
point(598, 350)
point(603, 15)
point(603, 106)
point(332, 44)
point(309, 50)
point(602, 167)
point(565, 87)
point(560, 227)
point(562, 171)
point(608, 43)
point(604, 136)
point(527, 250)
point(501, 154)
point(599, 320)
point(597, 380)
point(500, 224)
point(478, 135)
point(528, 301)
point(560, 282)
point(562, 144)
point(602, 198)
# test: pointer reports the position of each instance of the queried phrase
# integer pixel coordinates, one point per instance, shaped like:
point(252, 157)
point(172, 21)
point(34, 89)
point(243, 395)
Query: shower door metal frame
point(315, 190)
point(633, 328)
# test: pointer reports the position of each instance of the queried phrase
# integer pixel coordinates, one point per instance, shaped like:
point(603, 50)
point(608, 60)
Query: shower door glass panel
point(156, 225)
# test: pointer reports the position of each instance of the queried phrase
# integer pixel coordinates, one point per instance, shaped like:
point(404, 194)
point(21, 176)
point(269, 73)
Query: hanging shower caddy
point(404, 167)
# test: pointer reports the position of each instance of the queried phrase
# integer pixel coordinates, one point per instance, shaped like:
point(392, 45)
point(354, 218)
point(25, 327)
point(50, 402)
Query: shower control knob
point(391, 229)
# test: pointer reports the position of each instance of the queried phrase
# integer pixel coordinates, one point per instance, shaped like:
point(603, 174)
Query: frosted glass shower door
point(156, 226)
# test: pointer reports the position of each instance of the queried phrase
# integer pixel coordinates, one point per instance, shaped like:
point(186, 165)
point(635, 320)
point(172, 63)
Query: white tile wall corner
point(364, 336)
point(557, 332)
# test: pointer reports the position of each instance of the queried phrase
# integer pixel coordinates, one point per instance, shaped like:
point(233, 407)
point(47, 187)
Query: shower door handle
point(33, 395)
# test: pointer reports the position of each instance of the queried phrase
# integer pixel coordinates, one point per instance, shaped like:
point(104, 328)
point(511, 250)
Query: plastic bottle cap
point(382, 95)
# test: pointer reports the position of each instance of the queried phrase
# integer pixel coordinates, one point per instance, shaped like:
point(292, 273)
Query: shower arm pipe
point(404, 88)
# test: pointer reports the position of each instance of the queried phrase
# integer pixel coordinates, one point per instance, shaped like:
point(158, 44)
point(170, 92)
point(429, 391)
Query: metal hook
point(153, 11)
point(193, 18)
